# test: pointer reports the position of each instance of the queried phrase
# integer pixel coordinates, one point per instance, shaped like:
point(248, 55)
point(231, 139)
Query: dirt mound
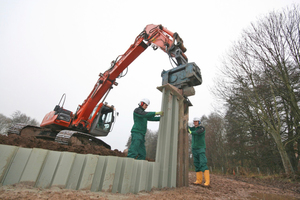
point(32, 142)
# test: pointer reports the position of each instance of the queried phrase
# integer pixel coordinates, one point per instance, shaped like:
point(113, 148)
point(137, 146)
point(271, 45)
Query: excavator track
point(29, 130)
point(69, 137)
point(66, 137)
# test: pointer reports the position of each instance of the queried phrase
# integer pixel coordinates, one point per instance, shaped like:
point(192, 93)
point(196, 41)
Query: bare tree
point(248, 144)
point(18, 117)
point(215, 140)
point(5, 123)
point(151, 144)
point(263, 70)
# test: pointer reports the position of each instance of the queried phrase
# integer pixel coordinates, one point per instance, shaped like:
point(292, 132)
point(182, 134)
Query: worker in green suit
point(198, 150)
point(137, 149)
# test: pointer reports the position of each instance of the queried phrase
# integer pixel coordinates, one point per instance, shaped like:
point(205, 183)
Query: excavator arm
point(88, 113)
point(95, 118)
point(155, 35)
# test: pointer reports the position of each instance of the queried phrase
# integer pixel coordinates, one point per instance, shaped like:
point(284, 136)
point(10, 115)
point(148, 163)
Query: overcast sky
point(51, 47)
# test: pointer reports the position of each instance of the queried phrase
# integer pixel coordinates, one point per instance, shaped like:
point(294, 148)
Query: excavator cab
point(103, 122)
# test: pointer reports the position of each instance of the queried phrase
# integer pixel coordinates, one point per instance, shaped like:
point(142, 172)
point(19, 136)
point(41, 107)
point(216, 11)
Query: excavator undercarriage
point(67, 137)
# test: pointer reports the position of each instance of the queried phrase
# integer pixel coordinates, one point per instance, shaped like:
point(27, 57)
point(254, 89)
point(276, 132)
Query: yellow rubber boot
point(199, 176)
point(207, 178)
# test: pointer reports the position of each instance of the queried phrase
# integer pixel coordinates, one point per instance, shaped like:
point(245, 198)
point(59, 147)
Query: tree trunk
point(284, 156)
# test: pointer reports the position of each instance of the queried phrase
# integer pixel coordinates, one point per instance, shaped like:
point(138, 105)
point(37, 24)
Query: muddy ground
point(222, 187)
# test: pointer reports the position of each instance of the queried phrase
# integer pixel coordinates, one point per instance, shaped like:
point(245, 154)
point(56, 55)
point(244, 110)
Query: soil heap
point(33, 142)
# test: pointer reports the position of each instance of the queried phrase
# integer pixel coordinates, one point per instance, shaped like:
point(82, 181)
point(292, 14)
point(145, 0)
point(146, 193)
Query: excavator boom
point(155, 35)
point(94, 117)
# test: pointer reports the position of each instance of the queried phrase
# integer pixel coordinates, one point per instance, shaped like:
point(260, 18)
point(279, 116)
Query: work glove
point(161, 113)
point(189, 131)
point(201, 130)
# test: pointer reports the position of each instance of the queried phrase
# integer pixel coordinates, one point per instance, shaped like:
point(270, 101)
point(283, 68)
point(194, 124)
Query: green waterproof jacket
point(198, 137)
point(140, 118)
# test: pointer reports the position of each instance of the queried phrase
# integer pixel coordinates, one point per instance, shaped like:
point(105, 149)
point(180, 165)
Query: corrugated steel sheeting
point(166, 150)
point(44, 168)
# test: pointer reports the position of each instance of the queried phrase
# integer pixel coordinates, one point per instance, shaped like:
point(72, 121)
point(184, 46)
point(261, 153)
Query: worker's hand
point(201, 130)
point(161, 113)
point(189, 131)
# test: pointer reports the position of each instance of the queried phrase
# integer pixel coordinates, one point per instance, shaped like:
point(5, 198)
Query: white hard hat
point(196, 119)
point(145, 100)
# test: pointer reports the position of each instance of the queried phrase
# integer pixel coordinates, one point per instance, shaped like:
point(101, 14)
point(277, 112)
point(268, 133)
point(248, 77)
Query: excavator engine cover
point(185, 75)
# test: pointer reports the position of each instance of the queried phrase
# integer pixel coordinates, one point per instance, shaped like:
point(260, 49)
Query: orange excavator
point(94, 117)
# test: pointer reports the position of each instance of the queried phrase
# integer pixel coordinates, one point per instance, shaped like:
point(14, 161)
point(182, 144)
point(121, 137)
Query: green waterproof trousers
point(200, 160)
point(137, 149)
